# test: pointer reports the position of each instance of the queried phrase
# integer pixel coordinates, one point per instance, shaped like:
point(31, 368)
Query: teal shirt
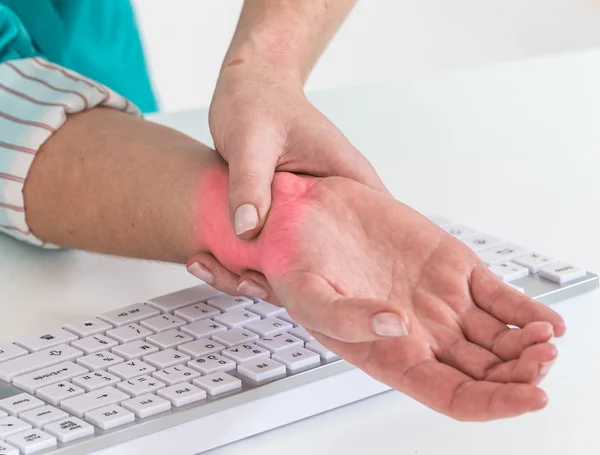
point(96, 38)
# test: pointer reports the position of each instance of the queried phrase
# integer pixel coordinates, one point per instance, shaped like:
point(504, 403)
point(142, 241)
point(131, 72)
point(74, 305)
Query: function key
point(147, 405)
point(218, 383)
point(109, 417)
point(182, 394)
point(297, 358)
point(261, 369)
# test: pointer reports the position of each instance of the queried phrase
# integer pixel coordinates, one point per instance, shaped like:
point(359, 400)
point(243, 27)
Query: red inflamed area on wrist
point(273, 250)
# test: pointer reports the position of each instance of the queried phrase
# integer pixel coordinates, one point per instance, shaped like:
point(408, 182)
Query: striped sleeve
point(35, 98)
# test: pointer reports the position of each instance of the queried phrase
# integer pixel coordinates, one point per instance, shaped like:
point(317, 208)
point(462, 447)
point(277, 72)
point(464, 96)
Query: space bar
point(41, 359)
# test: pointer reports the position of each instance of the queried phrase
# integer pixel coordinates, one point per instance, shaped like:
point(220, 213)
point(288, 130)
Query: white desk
point(513, 150)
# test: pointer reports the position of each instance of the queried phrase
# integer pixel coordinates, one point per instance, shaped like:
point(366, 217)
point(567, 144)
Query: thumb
point(314, 303)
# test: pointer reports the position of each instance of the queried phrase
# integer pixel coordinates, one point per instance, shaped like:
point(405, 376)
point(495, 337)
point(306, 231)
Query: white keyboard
point(169, 374)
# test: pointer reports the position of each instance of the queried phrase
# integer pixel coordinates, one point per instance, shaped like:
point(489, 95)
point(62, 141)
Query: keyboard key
point(196, 312)
point(6, 449)
point(100, 360)
point(167, 358)
point(135, 349)
point(32, 441)
point(285, 316)
point(182, 394)
point(140, 386)
point(203, 346)
point(509, 271)
point(459, 231)
point(147, 405)
point(297, 358)
point(480, 242)
point(324, 352)
point(30, 382)
point(12, 425)
point(237, 318)
point(42, 416)
point(261, 370)
point(218, 383)
point(212, 363)
point(280, 341)
point(163, 322)
point(301, 333)
point(131, 369)
point(175, 375)
point(129, 314)
point(3, 414)
point(203, 329)
point(11, 351)
point(234, 337)
point(95, 343)
point(562, 273)
point(47, 340)
point(88, 327)
point(17, 404)
point(245, 352)
point(82, 404)
point(171, 302)
point(501, 253)
point(265, 309)
point(56, 393)
point(169, 339)
point(227, 302)
point(109, 417)
point(69, 429)
point(129, 332)
point(36, 361)
point(96, 380)
point(534, 261)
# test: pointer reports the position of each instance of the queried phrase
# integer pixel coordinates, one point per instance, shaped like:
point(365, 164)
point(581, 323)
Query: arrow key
point(12, 425)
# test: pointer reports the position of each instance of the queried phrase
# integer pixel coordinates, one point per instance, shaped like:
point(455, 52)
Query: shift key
point(38, 360)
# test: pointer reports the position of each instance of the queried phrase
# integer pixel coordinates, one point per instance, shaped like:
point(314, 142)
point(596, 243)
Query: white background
point(381, 40)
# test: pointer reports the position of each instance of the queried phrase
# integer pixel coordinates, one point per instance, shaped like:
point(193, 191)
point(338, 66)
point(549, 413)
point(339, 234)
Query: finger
point(206, 268)
point(530, 368)
point(509, 305)
point(470, 359)
point(314, 303)
point(254, 284)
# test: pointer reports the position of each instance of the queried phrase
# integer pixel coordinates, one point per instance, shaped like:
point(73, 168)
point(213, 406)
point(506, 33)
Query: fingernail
point(252, 289)
point(389, 325)
point(246, 218)
point(201, 272)
point(545, 368)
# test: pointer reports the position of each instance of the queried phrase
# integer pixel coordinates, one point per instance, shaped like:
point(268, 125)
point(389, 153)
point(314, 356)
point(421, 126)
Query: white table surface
point(512, 149)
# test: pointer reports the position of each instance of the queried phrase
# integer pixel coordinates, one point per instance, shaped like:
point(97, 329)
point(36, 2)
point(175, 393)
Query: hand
point(396, 296)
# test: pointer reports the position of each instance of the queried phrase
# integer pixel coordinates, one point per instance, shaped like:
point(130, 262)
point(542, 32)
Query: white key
point(96, 380)
point(175, 375)
point(47, 340)
point(297, 358)
point(42, 416)
point(261, 370)
point(169, 339)
point(88, 327)
point(109, 417)
point(480, 242)
point(301, 333)
point(32, 441)
point(504, 252)
point(135, 349)
point(69, 429)
point(56, 393)
point(196, 312)
point(17, 404)
point(218, 383)
point(439, 220)
point(203, 329)
point(129, 332)
point(238, 317)
point(171, 302)
point(131, 369)
point(508, 271)
point(280, 341)
point(6, 449)
point(182, 394)
point(93, 400)
point(203, 346)
point(140, 386)
point(95, 343)
point(534, 261)
point(163, 322)
point(459, 231)
point(245, 352)
point(227, 302)
point(30, 382)
point(100, 360)
point(3, 414)
point(11, 351)
point(147, 405)
point(167, 358)
point(36, 361)
point(129, 314)
point(562, 273)
point(285, 316)
point(12, 425)
point(234, 337)
point(325, 353)
point(211, 363)
point(265, 309)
